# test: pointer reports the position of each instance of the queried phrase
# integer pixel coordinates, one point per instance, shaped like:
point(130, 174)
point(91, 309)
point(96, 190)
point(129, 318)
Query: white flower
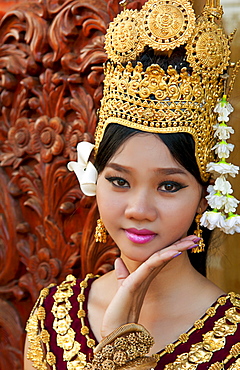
point(231, 204)
point(222, 168)
point(231, 225)
point(223, 149)
point(211, 190)
point(222, 131)
point(84, 169)
point(222, 185)
point(212, 219)
point(216, 201)
point(223, 108)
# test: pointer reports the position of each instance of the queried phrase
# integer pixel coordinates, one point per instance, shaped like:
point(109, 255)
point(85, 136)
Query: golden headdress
point(166, 101)
point(188, 98)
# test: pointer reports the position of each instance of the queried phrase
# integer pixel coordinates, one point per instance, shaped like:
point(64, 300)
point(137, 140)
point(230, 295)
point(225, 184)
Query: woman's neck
point(177, 279)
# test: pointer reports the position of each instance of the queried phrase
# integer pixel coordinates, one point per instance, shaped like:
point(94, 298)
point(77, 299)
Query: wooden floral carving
point(51, 68)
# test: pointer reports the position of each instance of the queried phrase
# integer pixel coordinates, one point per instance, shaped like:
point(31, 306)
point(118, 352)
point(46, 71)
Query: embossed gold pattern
point(208, 48)
point(216, 366)
point(62, 325)
point(135, 343)
point(38, 335)
point(182, 103)
point(165, 25)
point(123, 37)
point(235, 366)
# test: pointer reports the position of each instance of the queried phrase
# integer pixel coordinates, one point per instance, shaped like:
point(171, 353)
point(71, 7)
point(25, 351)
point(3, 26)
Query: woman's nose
point(141, 206)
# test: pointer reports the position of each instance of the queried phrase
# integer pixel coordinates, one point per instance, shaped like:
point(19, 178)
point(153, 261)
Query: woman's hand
point(132, 288)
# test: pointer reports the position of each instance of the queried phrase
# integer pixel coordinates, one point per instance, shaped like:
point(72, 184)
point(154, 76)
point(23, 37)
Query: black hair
point(181, 146)
point(177, 60)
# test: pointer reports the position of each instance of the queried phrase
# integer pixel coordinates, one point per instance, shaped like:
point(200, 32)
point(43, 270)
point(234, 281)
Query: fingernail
point(176, 255)
point(193, 246)
point(196, 240)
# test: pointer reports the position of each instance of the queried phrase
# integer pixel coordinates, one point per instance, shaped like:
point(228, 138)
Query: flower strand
point(221, 201)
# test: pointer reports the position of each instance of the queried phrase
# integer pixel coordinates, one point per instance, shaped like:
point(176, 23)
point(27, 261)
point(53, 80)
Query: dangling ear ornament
point(84, 169)
point(100, 232)
point(198, 232)
point(221, 201)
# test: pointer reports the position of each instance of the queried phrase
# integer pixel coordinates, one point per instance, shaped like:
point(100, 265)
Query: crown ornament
point(164, 101)
point(191, 97)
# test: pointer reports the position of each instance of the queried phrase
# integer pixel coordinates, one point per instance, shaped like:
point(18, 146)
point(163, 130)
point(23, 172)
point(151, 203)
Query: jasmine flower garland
point(223, 168)
point(221, 201)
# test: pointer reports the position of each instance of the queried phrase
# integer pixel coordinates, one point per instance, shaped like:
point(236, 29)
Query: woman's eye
point(118, 182)
point(170, 186)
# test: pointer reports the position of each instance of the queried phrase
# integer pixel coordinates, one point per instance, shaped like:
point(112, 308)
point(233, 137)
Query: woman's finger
point(121, 271)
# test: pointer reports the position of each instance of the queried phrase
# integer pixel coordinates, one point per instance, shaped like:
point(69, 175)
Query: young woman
point(154, 310)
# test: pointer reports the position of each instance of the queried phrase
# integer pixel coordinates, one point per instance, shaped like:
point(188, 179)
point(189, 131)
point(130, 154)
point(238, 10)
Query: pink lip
point(140, 236)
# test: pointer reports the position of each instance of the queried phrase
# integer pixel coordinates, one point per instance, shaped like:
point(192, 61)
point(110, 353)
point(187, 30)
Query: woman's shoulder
point(71, 289)
point(212, 340)
point(58, 322)
point(226, 310)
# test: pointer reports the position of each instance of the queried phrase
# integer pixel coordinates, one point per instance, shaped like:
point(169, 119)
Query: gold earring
point(100, 232)
point(198, 232)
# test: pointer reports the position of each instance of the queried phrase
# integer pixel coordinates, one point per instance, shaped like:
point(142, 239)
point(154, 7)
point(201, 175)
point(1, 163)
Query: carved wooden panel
point(51, 58)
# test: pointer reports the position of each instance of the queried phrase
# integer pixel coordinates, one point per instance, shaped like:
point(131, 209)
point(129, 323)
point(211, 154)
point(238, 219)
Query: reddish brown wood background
point(51, 56)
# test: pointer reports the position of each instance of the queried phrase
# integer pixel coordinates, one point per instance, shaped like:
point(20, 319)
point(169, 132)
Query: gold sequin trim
point(62, 324)
point(37, 335)
point(235, 366)
point(82, 313)
point(216, 366)
point(212, 341)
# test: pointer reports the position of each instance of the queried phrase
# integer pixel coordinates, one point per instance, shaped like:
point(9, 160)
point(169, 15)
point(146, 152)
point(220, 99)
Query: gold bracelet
point(125, 348)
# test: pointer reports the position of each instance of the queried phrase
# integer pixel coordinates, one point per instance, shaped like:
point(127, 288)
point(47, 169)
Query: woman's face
point(146, 199)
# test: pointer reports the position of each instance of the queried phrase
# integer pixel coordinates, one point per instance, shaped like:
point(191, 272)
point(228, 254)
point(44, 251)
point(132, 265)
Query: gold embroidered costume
point(60, 335)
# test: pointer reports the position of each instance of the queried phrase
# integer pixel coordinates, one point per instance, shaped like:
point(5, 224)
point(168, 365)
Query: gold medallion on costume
point(166, 25)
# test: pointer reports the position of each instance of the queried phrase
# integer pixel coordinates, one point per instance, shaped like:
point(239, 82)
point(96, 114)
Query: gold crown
point(159, 101)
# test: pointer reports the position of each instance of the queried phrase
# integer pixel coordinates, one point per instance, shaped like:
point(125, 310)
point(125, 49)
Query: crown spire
point(213, 8)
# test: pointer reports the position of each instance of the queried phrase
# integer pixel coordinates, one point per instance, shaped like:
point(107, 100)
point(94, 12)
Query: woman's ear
point(203, 204)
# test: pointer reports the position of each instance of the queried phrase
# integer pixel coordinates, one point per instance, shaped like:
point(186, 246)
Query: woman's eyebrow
point(119, 168)
point(162, 171)
point(171, 171)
